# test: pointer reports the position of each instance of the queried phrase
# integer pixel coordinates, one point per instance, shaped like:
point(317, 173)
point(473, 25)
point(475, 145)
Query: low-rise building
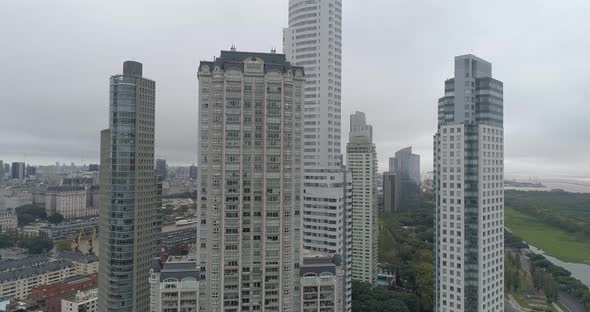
point(174, 284)
point(13, 198)
point(85, 264)
point(19, 277)
point(176, 239)
point(8, 221)
point(322, 282)
point(51, 295)
point(34, 229)
point(82, 301)
point(70, 230)
point(69, 201)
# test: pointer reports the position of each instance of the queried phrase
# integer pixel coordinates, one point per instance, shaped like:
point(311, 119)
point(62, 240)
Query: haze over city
point(58, 55)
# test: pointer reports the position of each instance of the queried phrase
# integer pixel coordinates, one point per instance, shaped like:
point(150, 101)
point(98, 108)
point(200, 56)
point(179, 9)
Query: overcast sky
point(56, 58)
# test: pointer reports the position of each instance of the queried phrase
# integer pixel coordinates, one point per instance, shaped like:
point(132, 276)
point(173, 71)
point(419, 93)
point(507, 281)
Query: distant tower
point(469, 191)
point(18, 170)
point(161, 168)
point(361, 159)
point(313, 39)
point(128, 189)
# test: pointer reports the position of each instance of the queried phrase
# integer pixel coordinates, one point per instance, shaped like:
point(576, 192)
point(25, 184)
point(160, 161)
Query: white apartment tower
point(361, 159)
point(469, 175)
point(313, 40)
point(250, 182)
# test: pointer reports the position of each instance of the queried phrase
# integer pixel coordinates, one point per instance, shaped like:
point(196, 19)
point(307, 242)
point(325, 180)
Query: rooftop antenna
point(233, 48)
point(273, 50)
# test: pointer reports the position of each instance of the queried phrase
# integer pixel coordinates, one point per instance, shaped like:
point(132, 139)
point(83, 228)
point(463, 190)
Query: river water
point(579, 270)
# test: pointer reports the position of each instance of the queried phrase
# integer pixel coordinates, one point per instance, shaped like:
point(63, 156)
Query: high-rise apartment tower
point(128, 193)
point(314, 40)
point(250, 182)
point(361, 160)
point(469, 191)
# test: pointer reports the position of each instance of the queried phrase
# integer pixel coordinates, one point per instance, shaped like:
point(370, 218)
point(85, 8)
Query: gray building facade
point(250, 182)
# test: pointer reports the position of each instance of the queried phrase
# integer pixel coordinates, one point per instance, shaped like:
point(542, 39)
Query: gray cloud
point(57, 57)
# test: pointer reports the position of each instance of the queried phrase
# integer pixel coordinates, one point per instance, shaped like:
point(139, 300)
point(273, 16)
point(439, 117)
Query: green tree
point(25, 219)
point(64, 246)
point(36, 245)
point(55, 218)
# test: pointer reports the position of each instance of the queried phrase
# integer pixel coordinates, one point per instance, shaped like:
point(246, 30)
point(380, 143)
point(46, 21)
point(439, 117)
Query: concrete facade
point(313, 39)
point(250, 181)
point(469, 191)
point(361, 159)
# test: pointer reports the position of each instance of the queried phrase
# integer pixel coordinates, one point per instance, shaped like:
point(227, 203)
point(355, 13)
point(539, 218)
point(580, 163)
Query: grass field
point(555, 242)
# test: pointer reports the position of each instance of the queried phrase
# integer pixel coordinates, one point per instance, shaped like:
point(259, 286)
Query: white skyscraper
point(314, 40)
point(250, 182)
point(361, 160)
point(469, 190)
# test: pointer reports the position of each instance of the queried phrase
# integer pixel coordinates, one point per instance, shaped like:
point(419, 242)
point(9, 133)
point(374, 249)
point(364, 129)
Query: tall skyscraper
point(161, 168)
point(250, 182)
point(361, 159)
point(469, 190)
point(1, 171)
point(314, 40)
point(18, 170)
point(401, 185)
point(128, 193)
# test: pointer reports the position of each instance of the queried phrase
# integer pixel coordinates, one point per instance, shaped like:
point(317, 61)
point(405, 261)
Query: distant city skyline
point(62, 119)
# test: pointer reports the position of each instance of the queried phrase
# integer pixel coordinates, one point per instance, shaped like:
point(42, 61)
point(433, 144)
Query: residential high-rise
point(1, 171)
point(128, 191)
point(174, 285)
point(250, 182)
point(314, 40)
point(401, 185)
point(18, 170)
point(469, 191)
point(322, 279)
point(361, 160)
point(161, 168)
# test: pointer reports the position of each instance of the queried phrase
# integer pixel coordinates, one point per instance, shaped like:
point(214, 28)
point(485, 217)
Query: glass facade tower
point(128, 193)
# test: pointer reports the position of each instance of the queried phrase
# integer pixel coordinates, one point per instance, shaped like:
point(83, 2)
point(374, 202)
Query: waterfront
point(579, 270)
point(568, 185)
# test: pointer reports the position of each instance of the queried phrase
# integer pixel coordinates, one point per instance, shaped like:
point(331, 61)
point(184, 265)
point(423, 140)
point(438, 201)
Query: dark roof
point(180, 270)
point(235, 59)
point(77, 257)
point(10, 264)
point(65, 188)
point(28, 271)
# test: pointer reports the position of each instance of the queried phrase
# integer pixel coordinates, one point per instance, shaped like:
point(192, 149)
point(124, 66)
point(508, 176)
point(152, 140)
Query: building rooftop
point(10, 264)
point(29, 271)
point(65, 188)
point(235, 59)
point(76, 257)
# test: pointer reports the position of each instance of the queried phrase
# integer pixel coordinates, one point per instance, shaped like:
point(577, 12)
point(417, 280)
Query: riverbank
point(554, 241)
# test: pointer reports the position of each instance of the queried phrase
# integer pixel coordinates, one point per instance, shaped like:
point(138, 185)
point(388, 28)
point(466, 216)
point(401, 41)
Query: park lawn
point(554, 241)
